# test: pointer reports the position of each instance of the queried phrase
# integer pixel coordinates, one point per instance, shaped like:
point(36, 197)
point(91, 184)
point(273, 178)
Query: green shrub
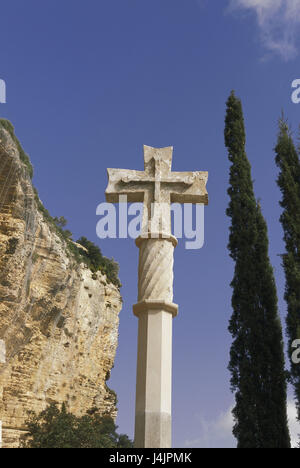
point(57, 428)
point(12, 245)
point(97, 262)
point(93, 258)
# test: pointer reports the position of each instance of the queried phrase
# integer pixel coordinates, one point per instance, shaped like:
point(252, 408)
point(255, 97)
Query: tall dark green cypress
point(287, 159)
point(258, 376)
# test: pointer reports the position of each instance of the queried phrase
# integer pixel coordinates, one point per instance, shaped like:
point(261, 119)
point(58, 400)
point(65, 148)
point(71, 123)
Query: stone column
point(156, 187)
point(155, 311)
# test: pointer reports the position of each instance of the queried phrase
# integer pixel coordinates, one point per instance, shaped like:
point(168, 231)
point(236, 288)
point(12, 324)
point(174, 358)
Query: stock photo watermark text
point(2, 92)
point(131, 221)
point(296, 93)
point(296, 354)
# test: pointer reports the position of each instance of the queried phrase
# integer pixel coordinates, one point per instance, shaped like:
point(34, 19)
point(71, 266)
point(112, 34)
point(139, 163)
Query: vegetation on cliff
point(96, 261)
point(57, 428)
point(91, 255)
point(23, 156)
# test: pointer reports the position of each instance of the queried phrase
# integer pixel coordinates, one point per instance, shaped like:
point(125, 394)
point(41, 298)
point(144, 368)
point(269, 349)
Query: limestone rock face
point(58, 322)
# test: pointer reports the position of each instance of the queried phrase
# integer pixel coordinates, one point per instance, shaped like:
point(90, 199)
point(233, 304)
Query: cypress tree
point(287, 159)
point(258, 378)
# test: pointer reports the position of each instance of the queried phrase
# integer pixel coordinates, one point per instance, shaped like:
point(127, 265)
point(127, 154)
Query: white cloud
point(217, 433)
point(278, 21)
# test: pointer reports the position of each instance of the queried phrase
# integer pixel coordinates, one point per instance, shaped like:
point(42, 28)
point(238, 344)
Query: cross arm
point(119, 184)
point(191, 187)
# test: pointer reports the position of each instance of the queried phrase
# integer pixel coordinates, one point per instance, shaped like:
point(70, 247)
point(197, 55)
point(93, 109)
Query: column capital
point(159, 305)
point(156, 236)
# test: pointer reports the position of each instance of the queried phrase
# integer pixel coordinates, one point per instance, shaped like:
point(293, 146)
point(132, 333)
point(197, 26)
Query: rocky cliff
point(58, 320)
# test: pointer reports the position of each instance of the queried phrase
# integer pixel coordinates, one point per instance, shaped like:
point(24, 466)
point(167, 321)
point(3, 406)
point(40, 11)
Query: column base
point(153, 430)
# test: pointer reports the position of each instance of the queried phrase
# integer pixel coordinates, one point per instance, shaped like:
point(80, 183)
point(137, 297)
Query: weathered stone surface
point(156, 260)
point(157, 186)
point(58, 325)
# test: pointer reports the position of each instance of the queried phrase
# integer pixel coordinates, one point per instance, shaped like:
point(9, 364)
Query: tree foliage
point(60, 222)
point(58, 428)
point(287, 159)
point(258, 376)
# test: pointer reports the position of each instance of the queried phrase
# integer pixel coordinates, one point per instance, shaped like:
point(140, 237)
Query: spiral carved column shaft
point(156, 261)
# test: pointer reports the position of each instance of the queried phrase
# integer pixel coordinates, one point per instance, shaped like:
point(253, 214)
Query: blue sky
point(88, 83)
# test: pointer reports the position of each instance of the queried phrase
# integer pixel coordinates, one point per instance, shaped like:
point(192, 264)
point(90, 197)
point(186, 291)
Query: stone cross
point(157, 187)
